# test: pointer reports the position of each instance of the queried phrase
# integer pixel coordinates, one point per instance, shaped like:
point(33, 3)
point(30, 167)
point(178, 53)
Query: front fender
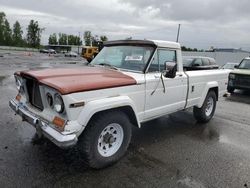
point(99, 105)
point(208, 86)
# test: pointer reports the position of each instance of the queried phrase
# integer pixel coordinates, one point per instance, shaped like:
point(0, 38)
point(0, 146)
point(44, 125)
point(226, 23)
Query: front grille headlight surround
point(231, 76)
point(19, 84)
point(49, 99)
point(58, 103)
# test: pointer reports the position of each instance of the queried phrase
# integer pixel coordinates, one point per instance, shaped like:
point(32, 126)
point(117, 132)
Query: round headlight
point(232, 76)
point(58, 103)
point(49, 99)
point(19, 84)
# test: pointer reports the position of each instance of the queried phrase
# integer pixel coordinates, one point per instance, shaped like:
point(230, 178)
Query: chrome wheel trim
point(110, 140)
point(209, 106)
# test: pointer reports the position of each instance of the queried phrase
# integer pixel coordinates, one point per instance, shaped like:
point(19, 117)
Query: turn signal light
point(18, 97)
point(59, 122)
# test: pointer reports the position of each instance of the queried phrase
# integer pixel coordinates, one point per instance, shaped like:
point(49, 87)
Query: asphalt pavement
point(172, 151)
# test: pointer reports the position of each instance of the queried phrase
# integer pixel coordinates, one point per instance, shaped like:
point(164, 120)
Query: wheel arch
point(121, 103)
point(128, 110)
point(211, 86)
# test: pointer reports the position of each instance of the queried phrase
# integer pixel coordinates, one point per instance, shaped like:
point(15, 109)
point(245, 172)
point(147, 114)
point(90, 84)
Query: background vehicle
point(44, 51)
point(71, 54)
point(229, 65)
point(129, 82)
point(89, 52)
point(198, 63)
point(51, 51)
point(239, 78)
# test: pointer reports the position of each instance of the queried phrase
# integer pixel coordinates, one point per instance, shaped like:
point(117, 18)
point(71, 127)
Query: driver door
point(164, 95)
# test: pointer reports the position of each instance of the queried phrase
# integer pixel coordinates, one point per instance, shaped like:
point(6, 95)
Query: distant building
point(232, 50)
point(64, 48)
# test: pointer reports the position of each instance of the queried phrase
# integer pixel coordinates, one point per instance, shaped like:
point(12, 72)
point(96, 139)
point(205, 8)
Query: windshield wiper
point(108, 65)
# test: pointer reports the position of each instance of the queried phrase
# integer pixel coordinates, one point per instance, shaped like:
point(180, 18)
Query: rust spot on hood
point(71, 80)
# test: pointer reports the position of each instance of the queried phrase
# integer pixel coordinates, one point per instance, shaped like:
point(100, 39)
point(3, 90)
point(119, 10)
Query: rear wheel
point(206, 112)
point(105, 139)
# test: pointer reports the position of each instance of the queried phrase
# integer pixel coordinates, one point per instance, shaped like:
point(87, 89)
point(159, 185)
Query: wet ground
point(172, 151)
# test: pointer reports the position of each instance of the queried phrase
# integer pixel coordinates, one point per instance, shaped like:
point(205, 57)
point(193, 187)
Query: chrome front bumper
point(43, 128)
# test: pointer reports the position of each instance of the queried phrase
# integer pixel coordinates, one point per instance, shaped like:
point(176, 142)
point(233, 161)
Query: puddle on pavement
point(233, 142)
point(1, 79)
point(206, 133)
point(241, 96)
point(189, 183)
point(26, 132)
point(210, 134)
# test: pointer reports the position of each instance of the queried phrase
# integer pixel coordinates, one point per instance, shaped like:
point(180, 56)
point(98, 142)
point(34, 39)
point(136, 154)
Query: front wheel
point(206, 112)
point(105, 139)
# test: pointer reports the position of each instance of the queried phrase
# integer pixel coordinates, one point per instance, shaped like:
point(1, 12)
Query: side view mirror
point(236, 66)
point(170, 69)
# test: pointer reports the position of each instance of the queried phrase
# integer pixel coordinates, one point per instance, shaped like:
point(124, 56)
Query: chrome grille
point(33, 92)
point(242, 80)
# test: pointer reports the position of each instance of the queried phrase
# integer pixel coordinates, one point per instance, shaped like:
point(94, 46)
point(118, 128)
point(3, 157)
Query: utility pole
point(79, 34)
point(178, 33)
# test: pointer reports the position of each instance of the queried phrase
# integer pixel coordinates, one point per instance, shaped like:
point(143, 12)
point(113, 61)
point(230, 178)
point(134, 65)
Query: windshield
point(229, 66)
point(245, 64)
point(124, 57)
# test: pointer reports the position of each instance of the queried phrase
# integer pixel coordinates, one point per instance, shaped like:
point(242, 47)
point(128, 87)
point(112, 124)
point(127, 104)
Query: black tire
point(200, 114)
point(230, 89)
point(89, 141)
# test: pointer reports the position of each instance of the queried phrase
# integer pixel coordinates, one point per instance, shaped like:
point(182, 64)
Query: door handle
point(180, 75)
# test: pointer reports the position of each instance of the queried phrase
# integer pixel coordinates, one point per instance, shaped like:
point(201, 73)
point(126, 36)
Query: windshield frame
point(241, 64)
point(154, 47)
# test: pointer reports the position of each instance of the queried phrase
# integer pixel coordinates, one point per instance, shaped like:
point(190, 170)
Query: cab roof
point(154, 43)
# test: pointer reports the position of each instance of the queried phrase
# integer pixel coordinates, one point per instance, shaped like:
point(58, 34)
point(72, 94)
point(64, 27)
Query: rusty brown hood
point(71, 80)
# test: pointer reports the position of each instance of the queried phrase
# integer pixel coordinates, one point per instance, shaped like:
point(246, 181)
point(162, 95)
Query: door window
point(205, 61)
point(162, 56)
point(197, 62)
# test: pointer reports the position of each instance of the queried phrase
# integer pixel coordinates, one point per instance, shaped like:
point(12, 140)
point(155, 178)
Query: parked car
point(71, 54)
point(44, 51)
point(239, 78)
point(199, 63)
point(229, 65)
point(52, 51)
point(129, 82)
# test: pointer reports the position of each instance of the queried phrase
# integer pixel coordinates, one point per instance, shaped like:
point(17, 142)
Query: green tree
point(78, 40)
point(7, 33)
point(34, 34)
point(103, 38)
point(74, 40)
point(95, 40)
point(2, 27)
point(17, 34)
point(71, 40)
point(53, 39)
point(87, 38)
point(63, 39)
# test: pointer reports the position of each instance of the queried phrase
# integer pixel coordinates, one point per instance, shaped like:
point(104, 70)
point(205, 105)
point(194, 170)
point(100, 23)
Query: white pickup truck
point(129, 82)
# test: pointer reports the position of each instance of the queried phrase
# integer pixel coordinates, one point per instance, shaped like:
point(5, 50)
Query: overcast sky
point(204, 23)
